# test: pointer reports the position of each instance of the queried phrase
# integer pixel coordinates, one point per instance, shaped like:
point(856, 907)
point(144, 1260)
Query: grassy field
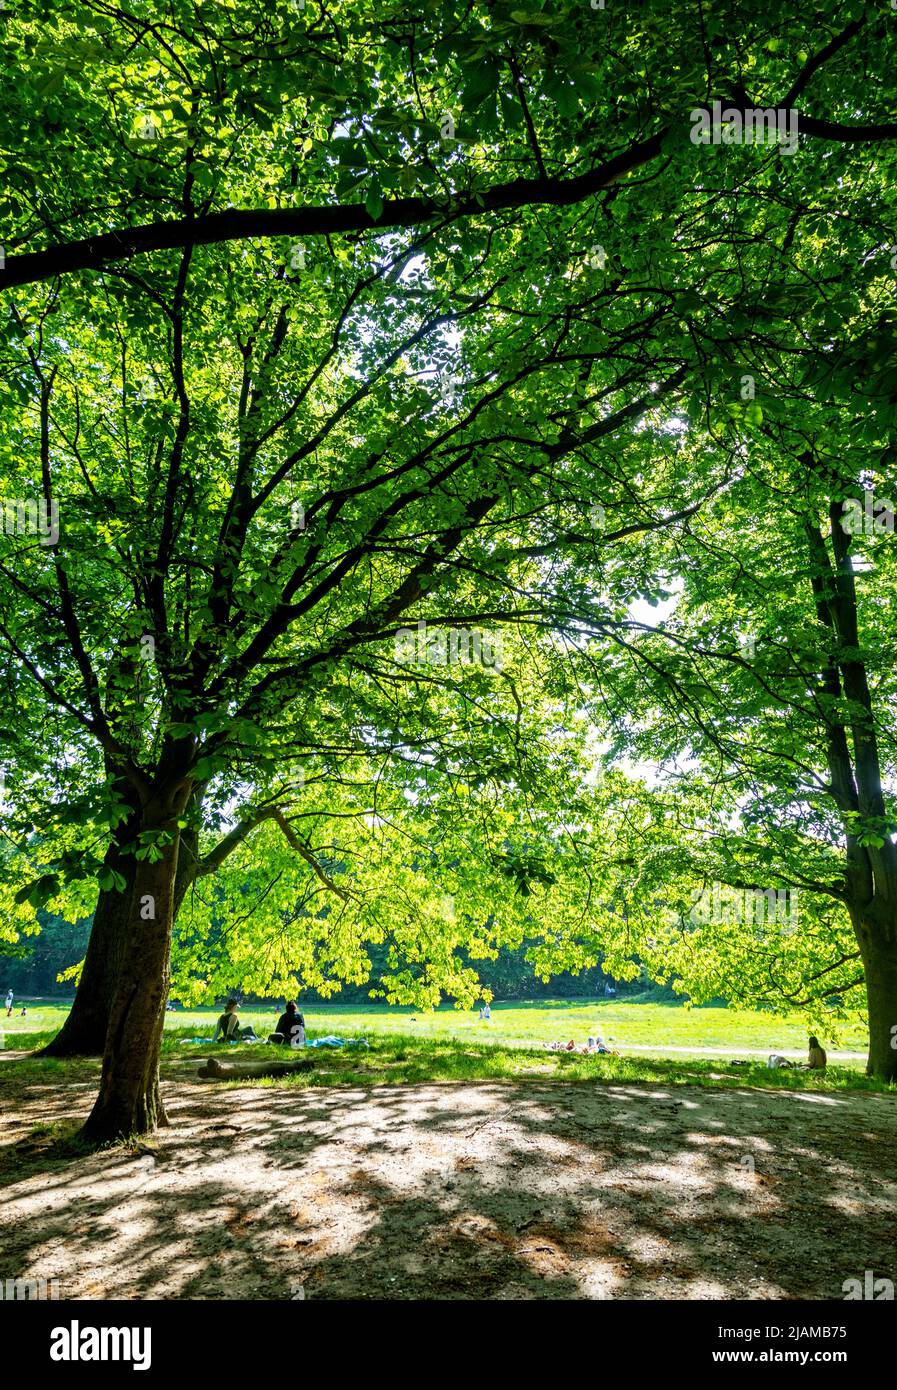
point(643, 1026)
point(657, 1043)
point(646, 1028)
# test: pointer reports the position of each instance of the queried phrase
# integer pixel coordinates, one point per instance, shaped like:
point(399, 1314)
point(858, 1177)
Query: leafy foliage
point(328, 322)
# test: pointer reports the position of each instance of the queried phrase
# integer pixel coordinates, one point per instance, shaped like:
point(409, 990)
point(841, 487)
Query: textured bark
point(129, 1101)
point(84, 1032)
point(856, 787)
point(879, 952)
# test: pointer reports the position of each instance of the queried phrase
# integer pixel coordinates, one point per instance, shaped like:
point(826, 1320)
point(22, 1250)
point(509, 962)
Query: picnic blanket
point(231, 1042)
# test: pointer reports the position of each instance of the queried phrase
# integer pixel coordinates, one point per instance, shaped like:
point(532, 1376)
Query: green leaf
point(480, 81)
point(374, 202)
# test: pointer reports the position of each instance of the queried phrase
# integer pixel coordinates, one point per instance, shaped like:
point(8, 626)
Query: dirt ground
point(486, 1191)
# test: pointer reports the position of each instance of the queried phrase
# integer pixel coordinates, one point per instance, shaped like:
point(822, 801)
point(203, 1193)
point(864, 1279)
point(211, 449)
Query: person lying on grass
point(229, 1025)
point(290, 1028)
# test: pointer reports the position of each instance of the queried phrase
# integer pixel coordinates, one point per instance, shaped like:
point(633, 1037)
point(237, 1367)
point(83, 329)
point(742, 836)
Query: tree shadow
point(504, 1190)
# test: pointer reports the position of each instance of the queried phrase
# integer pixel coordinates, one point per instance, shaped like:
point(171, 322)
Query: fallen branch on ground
point(238, 1071)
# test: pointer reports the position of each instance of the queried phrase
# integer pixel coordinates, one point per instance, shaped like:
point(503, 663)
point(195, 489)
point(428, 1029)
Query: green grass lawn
point(641, 1026)
point(454, 1045)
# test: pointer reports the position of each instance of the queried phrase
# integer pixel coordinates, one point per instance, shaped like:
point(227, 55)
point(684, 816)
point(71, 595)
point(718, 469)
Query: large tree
point(763, 696)
point(269, 455)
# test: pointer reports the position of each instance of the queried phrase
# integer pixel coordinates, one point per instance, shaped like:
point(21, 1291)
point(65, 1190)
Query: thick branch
point(238, 224)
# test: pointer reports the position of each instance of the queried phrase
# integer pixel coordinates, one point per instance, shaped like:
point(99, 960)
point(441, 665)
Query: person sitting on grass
point(816, 1060)
point(290, 1028)
point(229, 1025)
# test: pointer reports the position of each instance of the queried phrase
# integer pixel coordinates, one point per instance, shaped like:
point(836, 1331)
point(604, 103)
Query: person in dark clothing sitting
point(290, 1028)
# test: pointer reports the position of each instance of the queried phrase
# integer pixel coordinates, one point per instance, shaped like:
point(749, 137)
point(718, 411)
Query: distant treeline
point(509, 976)
point(32, 967)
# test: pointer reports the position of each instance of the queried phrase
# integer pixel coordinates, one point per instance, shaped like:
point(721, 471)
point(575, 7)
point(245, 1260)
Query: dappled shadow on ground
point(486, 1190)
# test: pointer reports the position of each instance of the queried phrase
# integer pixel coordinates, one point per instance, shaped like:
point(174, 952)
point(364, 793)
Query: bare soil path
point(498, 1191)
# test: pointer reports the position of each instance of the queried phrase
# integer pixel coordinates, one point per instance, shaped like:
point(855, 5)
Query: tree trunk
point(84, 1031)
point(878, 949)
point(130, 1102)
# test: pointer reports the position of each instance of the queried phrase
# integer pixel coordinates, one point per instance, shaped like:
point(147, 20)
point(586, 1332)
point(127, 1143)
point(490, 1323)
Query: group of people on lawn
point(289, 1032)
